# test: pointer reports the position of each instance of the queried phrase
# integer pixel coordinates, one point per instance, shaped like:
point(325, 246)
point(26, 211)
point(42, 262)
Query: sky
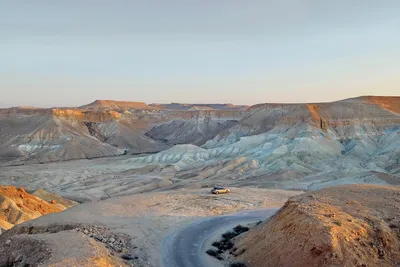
point(69, 53)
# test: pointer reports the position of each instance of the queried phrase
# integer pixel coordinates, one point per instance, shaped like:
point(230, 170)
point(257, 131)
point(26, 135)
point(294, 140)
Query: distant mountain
point(361, 128)
point(180, 106)
point(116, 105)
point(124, 105)
point(4, 105)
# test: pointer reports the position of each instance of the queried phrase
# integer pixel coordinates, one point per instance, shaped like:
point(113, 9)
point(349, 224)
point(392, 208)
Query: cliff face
point(341, 226)
point(86, 116)
point(389, 103)
point(372, 113)
point(379, 110)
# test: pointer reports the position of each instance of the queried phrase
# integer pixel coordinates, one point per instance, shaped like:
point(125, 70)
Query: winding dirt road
point(186, 247)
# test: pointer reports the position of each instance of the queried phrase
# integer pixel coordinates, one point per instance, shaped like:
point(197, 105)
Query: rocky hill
point(302, 146)
point(354, 225)
point(18, 206)
point(45, 135)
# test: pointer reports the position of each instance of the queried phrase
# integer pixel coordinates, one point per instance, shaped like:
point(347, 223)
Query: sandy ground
point(148, 218)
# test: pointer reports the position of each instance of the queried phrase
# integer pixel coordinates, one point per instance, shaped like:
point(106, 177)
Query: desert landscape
point(127, 184)
point(200, 133)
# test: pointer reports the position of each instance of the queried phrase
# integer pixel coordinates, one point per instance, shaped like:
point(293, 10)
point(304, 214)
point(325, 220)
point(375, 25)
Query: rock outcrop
point(18, 206)
point(354, 225)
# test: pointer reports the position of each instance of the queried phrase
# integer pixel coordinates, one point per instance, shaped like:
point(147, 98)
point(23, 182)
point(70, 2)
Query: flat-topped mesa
point(86, 116)
point(217, 114)
point(376, 110)
point(391, 103)
point(24, 111)
point(117, 105)
point(185, 106)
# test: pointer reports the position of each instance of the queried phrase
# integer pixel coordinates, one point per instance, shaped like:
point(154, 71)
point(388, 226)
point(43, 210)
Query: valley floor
point(146, 218)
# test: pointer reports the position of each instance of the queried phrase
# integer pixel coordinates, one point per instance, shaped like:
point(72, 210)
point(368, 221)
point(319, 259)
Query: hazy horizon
point(70, 54)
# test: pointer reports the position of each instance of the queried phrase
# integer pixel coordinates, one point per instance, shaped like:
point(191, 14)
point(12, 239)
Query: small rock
point(8, 242)
point(53, 202)
point(112, 240)
point(127, 257)
point(18, 258)
point(85, 232)
point(21, 189)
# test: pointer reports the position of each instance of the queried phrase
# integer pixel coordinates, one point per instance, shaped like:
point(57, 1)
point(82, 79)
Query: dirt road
point(186, 247)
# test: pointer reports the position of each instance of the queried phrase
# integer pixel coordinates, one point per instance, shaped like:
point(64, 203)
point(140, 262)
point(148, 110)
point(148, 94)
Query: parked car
point(220, 190)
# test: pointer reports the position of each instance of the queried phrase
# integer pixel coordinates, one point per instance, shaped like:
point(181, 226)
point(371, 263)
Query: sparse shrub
point(212, 253)
point(226, 244)
point(238, 264)
point(241, 229)
point(229, 245)
point(216, 244)
point(127, 257)
point(229, 235)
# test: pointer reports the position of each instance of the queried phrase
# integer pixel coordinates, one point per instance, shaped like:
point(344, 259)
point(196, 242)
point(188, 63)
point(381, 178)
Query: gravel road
point(186, 247)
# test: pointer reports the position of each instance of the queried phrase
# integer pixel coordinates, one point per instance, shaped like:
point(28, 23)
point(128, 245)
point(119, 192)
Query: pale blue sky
point(56, 53)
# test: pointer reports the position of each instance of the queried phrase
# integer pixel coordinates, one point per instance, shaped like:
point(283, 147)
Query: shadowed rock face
point(376, 110)
point(195, 131)
point(354, 225)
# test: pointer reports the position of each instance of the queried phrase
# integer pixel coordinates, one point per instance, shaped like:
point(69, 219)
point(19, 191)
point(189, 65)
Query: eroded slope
point(17, 206)
point(354, 225)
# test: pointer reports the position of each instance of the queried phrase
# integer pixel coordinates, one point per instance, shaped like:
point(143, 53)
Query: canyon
point(288, 146)
point(143, 170)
